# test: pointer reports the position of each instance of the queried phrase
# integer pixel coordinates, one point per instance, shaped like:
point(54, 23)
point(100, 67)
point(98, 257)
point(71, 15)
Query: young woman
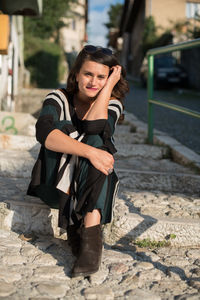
point(74, 171)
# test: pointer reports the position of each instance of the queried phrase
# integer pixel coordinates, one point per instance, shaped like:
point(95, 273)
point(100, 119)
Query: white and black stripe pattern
point(67, 161)
point(67, 165)
point(116, 107)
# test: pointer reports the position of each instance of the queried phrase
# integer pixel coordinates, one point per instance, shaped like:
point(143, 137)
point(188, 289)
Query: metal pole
point(150, 97)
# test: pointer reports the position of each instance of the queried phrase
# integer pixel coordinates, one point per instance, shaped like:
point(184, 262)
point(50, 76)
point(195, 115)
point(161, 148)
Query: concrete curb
point(180, 153)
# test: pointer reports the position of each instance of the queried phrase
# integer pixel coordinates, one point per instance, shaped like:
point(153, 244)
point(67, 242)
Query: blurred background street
point(182, 127)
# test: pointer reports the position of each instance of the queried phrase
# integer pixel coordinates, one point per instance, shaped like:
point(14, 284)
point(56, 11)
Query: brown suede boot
point(73, 237)
point(89, 258)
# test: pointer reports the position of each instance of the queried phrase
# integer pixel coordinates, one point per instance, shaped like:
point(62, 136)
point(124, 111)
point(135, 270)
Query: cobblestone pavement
point(40, 269)
point(151, 249)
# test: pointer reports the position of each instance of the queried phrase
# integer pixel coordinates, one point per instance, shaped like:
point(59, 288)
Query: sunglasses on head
point(93, 49)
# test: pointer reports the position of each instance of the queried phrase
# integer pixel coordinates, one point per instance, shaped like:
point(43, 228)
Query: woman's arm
point(60, 142)
point(49, 133)
point(99, 109)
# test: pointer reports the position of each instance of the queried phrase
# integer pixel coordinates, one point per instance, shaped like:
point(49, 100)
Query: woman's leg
point(89, 258)
point(92, 218)
point(90, 182)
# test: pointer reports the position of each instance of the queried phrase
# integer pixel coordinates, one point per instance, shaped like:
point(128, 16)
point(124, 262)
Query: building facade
point(73, 36)
point(11, 48)
point(165, 13)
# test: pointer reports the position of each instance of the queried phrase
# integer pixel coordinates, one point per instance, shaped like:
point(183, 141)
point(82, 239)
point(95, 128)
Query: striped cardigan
point(53, 171)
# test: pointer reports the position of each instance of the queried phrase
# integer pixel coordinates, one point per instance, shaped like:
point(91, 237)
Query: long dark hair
point(98, 56)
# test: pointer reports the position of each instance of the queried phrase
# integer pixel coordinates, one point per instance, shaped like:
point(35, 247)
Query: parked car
point(167, 72)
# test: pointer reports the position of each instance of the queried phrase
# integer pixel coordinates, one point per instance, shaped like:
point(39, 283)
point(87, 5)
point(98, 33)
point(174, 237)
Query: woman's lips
point(92, 89)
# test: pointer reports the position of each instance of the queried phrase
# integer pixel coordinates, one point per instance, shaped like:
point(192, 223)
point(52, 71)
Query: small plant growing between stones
point(147, 243)
point(171, 236)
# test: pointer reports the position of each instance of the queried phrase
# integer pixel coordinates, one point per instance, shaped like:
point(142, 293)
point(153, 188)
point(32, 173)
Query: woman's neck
point(82, 105)
point(79, 98)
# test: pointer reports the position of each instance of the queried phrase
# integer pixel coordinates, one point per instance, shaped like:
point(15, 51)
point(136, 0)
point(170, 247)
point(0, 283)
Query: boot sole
point(85, 274)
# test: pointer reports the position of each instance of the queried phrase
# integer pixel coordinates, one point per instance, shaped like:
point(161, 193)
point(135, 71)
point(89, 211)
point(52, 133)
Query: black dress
point(54, 174)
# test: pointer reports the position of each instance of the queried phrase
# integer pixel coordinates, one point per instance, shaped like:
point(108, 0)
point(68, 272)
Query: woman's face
point(91, 78)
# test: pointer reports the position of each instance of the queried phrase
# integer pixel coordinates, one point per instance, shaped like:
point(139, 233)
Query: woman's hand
point(114, 77)
point(101, 160)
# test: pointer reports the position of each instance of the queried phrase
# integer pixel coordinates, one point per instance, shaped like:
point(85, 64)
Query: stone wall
point(166, 11)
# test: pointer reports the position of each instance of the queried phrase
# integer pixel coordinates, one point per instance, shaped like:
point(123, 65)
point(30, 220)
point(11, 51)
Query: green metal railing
point(151, 53)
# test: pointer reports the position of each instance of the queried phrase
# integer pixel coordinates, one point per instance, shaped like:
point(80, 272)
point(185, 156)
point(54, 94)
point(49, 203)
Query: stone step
point(126, 134)
point(34, 96)
point(166, 217)
point(148, 164)
point(15, 123)
point(23, 213)
point(18, 142)
point(138, 214)
point(17, 163)
point(138, 226)
point(141, 151)
point(159, 181)
point(22, 143)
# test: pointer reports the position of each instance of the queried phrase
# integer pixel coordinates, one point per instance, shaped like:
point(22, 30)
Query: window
point(192, 10)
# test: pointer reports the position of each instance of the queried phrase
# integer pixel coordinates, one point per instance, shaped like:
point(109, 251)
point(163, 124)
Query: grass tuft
point(147, 243)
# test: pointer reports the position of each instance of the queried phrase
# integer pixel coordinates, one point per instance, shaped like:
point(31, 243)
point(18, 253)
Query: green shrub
point(44, 61)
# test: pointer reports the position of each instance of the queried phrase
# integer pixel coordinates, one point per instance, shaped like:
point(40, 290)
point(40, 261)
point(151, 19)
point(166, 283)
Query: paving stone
point(113, 256)
point(100, 276)
point(8, 275)
point(197, 262)
point(193, 253)
point(143, 265)
point(49, 272)
point(29, 251)
point(119, 268)
point(53, 289)
point(45, 259)
point(140, 294)
point(13, 260)
point(177, 260)
point(98, 293)
point(130, 280)
point(151, 275)
point(195, 284)
point(188, 297)
point(6, 289)
point(196, 271)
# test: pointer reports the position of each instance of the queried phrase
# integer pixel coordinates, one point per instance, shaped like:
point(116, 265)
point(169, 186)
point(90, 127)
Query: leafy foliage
point(196, 29)
point(149, 34)
point(44, 61)
point(114, 14)
point(50, 21)
point(147, 243)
